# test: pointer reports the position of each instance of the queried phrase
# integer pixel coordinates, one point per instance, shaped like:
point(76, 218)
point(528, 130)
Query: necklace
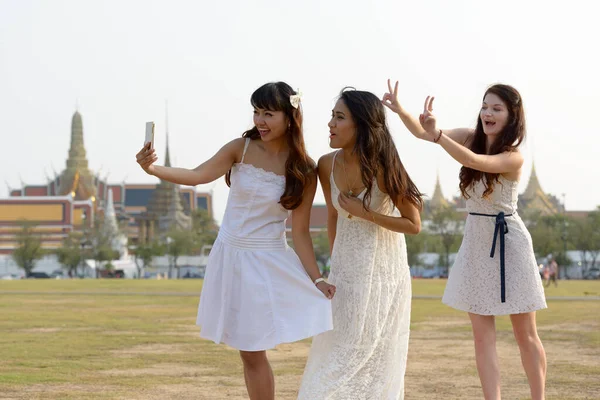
point(350, 192)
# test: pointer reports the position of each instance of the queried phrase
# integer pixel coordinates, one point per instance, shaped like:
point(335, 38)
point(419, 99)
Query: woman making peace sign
point(495, 271)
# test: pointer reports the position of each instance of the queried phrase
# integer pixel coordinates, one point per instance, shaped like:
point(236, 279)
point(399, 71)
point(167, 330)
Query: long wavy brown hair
point(511, 136)
point(375, 148)
point(299, 167)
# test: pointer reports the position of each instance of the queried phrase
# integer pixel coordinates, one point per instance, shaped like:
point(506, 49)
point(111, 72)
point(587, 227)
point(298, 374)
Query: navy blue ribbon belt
point(501, 229)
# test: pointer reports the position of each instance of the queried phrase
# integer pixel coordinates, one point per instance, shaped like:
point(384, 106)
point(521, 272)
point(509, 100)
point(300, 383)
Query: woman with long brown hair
point(371, 204)
point(495, 271)
point(257, 291)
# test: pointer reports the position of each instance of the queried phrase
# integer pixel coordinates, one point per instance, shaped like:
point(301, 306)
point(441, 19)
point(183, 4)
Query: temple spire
point(533, 186)
point(77, 156)
point(438, 199)
point(77, 178)
point(175, 217)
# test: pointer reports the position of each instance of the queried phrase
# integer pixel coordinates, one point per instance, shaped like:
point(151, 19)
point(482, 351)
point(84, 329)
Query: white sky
point(120, 61)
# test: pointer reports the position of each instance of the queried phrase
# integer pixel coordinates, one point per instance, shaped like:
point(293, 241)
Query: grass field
point(124, 339)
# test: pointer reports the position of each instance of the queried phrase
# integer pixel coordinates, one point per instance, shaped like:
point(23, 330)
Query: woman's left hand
point(327, 289)
point(428, 121)
point(352, 205)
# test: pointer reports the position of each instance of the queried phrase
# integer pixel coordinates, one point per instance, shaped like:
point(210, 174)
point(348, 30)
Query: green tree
point(448, 224)
point(143, 255)
point(585, 236)
point(546, 233)
point(594, 221)
point(415, 245)
point(29, 247)
point(70, 254)
point(549, 236)
point(179, 242)
point(100, 241)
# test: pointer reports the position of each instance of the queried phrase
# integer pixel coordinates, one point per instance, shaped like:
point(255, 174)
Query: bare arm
point(409, 221)
point(507, 162)
point(503, 163)
point(302, 239)
point(324, 168)
point(214, 168)
point(390, 100)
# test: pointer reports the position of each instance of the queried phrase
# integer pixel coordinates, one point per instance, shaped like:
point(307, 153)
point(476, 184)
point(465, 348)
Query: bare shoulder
point(312, 164)
point(325, 162)
point(235, 148)
point(324, 167)
point(327, 158)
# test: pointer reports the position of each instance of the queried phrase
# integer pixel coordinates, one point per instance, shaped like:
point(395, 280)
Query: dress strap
point(245, 148)
point(333, 163)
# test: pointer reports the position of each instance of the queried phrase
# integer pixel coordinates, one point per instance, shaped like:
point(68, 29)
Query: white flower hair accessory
point(295, 99)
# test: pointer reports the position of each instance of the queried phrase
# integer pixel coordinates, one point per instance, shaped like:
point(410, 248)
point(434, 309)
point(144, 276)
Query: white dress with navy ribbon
point(479, 282)
point(256, 293)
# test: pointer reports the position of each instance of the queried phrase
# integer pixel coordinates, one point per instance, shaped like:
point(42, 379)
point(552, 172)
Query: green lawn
point(103, 346)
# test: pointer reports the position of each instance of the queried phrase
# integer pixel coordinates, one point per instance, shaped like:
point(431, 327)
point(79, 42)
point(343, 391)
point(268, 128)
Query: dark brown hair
point(508, 139)
point(376, 150)
point(299, 167)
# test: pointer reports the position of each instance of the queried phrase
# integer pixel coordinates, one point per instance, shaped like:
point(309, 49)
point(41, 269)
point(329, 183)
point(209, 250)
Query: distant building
point(71, 199)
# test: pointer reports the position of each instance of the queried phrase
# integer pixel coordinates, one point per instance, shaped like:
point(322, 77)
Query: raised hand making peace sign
point(427, 119)
point(390, 99)
point(427, 129)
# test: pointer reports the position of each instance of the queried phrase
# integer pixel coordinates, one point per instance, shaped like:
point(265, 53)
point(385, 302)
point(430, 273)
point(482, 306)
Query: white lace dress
point(364, 356)
point(256, 293)
point(475, 280)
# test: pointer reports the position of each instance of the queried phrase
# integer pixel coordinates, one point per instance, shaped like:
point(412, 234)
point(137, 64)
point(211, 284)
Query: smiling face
point(342, 130)
point(494, 114)
point(271, 125)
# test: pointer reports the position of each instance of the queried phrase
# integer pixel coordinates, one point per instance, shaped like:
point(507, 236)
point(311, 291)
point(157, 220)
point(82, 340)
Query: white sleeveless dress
point(475, 280)
point(364, 356)
point(256, 293)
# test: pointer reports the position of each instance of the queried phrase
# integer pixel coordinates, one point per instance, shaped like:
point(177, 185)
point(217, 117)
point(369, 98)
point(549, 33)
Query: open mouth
point(263, 132)
point(489, 124)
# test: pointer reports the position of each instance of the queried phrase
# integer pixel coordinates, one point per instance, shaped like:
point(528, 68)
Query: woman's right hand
point(390, 99)
point(146, 158)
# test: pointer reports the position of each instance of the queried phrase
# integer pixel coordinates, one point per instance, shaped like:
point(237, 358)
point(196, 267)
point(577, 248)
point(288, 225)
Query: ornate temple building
point(70, 201)
point(535, 199)
point(532, 200)
point(167, 209)
point(437, 200)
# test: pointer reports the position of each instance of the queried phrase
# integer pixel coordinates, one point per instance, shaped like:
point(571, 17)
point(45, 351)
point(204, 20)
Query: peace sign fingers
point(390, 99)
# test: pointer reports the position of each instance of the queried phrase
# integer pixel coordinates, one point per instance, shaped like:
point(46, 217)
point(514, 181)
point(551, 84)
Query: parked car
point(38, 275)
point(117, 273)
point(592, 273)
point(10, 277)
point(57, 274)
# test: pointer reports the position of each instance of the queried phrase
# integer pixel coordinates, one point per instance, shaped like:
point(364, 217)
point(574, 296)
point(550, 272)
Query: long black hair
point(375, 148)
point(299, 167)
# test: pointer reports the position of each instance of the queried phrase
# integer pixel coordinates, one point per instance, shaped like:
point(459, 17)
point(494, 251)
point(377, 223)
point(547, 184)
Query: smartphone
point(149, 134)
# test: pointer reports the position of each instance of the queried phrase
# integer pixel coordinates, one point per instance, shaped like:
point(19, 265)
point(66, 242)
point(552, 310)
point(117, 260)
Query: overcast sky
point(118, 61)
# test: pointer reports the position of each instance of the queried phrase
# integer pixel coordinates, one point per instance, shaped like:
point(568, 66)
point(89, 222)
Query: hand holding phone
point(149, 134)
